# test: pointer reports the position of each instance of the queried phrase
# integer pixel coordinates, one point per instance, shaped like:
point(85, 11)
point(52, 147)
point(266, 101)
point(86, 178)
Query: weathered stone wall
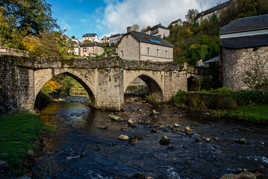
point(237, 62)
point(128, 48)
point(105, 80)
point(165, 54)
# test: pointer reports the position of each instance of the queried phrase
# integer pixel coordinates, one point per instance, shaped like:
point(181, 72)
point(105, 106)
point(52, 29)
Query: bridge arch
point(154, 86)
point(44, 76)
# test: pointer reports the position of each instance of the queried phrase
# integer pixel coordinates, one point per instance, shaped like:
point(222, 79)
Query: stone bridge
point(21, 79)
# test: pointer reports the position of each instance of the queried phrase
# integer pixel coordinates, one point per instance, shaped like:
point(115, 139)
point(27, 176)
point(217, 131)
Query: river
point(86, 144)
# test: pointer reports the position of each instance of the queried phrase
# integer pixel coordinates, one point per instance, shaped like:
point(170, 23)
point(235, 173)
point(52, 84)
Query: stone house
point(114, 39)
point(159, 31)
point(244, 50)
point(75, 44)
point(177, 22)
point(105, 40)
point(217, 10)
point(93, 37)
point(142, 47)
point(91, 49)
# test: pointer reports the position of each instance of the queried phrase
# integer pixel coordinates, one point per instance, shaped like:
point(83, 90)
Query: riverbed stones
point(244, 175)
point(241, 141)
point(164, 140)
point(155, 112)
point(123, 137)
point(116, 118)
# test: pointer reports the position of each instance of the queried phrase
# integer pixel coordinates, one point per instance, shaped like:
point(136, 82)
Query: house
point(134, 27)
point(114, 39)
point(75, 44)
point(93, 37)
point(177, 22)
point(91, 49)
point(216, 10)
point(159, 31)
point(142, 47)
point(244, 51)
point(105, 40)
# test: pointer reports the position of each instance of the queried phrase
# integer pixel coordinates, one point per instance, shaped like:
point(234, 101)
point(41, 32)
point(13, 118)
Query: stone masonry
point(237, 62)
point(22, 78)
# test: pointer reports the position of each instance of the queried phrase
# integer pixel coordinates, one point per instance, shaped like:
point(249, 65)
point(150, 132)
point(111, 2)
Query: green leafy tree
point(29, 16)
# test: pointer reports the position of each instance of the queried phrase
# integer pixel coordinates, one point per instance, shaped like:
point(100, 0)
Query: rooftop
point(90, 35)
point(158, 26)
point(247, 32)
point(246, 24)
point(91, 44)
point(213, 9)
point(142, 37)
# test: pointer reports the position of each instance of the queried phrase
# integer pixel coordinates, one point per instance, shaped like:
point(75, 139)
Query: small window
point(166, 52)
point(122, 53)
point(85, 49)
point(148, 50)
point(157, 52)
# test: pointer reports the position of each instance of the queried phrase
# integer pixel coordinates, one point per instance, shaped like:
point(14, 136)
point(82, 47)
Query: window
point(157, 52)
point(166, 53)
point(85, 49)
point(122, 53)
point(148, 50)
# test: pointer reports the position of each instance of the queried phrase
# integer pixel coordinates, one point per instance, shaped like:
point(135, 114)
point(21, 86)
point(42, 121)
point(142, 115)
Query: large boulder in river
point(116, 118)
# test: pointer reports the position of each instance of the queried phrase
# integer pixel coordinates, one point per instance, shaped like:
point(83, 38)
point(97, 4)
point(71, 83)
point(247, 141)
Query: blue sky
point(106, 17)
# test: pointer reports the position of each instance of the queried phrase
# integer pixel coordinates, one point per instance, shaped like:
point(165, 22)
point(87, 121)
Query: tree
point(191, 15)
point(29, 16)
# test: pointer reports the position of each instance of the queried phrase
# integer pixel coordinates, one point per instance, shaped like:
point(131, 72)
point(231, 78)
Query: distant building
point(105, 40)
point(142, 47)
point(217, 10)
point(75, 44)
point(177, 22)
point(159, 31)
point(134, 27)
point(244, 50)
point(93, 37)
point(114, 39)
point(91, 49)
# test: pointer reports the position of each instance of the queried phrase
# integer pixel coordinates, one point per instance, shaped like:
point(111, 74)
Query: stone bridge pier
point(105, 80)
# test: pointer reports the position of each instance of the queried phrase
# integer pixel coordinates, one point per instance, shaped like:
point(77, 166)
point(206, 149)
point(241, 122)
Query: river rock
point(123, 137)
point(73, 157)
point(155, 112)
point(188, 129)
point(244, 175)
point(154, 131)
point(176, 125)
point(131, 122)
point(164, 140)
point(242, 141)
point(30, 153)
point(207, 139)
point(116, 118)
point(103, 127)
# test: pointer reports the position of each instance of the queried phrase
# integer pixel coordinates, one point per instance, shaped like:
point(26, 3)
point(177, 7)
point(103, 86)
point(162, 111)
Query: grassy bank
point(18, 132)
point(258, 113)
point(223, 103)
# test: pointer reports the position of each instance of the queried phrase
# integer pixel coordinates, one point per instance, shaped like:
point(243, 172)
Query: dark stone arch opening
point(193, 84)
point(43, 98)
point(149, 89)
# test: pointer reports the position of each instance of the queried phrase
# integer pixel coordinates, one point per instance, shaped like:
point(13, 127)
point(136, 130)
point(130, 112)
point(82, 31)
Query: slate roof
point(116, 35)
point(246, 24)
point(91, 44)
point(245, 42)
point(158, 26)
point(90, 35)
point(213, 9)
point(142, 37)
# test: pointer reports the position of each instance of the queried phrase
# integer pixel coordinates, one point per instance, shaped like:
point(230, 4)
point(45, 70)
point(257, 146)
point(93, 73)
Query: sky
point(106, 17)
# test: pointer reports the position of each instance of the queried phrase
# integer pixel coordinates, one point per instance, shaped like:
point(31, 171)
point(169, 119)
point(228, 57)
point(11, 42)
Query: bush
point(245, 97)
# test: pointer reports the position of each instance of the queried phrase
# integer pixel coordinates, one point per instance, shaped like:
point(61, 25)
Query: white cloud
point(120, 14)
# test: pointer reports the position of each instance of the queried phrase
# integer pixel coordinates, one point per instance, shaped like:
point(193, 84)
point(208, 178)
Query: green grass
point(258, 113)
point(17, 134)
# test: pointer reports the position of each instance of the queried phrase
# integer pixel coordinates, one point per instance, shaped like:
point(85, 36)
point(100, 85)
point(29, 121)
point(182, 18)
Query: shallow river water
point(86, 144)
